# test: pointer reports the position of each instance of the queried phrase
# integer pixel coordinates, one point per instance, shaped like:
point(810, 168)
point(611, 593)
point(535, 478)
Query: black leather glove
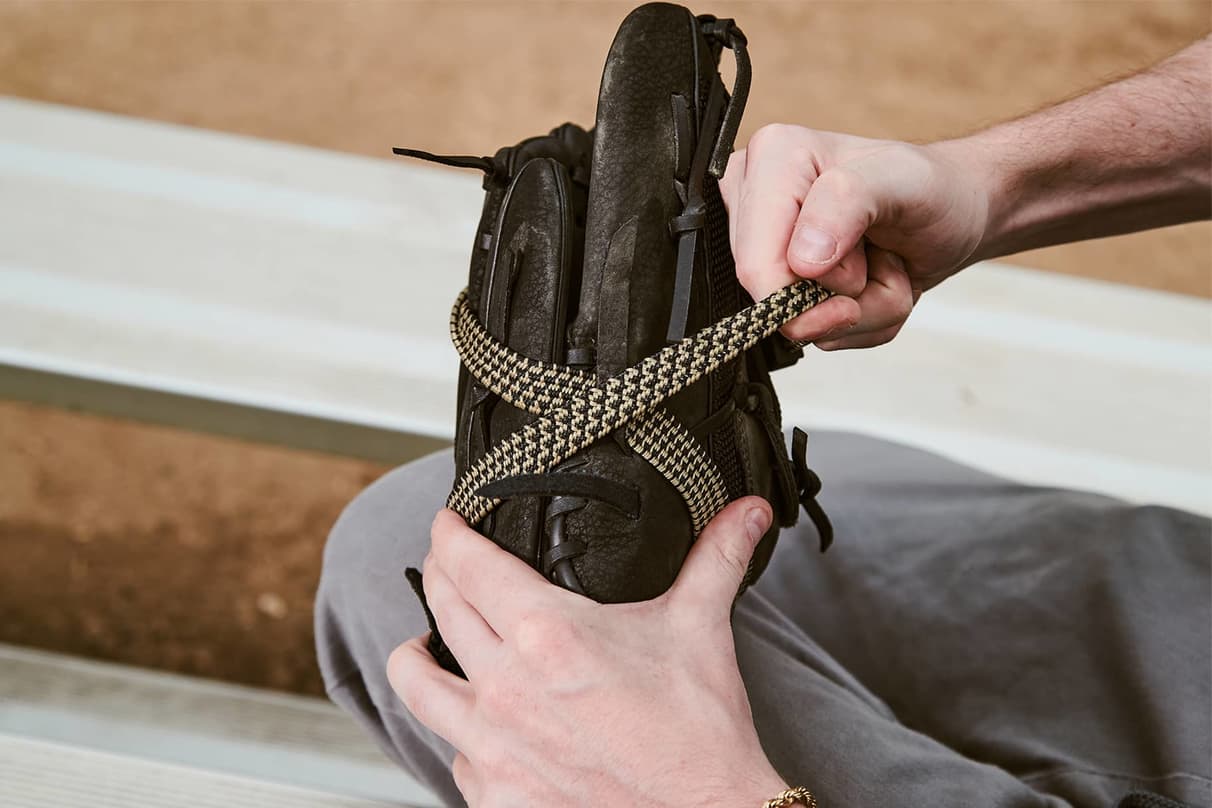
point(595, 251)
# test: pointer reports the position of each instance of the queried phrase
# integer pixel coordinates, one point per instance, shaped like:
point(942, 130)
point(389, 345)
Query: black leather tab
point(625, 498)
point(437, 647)
point(810, 486)
point(484, 164)
point(688, 221)
point(727, 32)
point(689, 225)
point(561, 553)
point(582, 357)
point(688, 243)
point(785, 496)
point(683, 136)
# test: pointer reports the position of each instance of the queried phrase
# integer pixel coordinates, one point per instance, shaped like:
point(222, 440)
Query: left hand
point(572, 702)
point(876, 221)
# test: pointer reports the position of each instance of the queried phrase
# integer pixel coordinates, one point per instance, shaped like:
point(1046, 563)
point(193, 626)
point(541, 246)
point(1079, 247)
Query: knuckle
point(498, 768)
point(902, 305)
point(802, 158)
point(464, 777)
point(747, 275)
point(409, 688)
point(413, 698)
point(762, 140)
point(883, 338)
point(850, 277)
point(440, 535)
point(792, 147)
point(732, 174)
point(843, 182)
point(545, 635)
point(913, 158)
point(726, 198)
point(397, 665)
point(772, 137)
point(729, 561)
point(758, 276)
point(438, 538)
point(796, 331)
point(496, 698)
point(896, 300)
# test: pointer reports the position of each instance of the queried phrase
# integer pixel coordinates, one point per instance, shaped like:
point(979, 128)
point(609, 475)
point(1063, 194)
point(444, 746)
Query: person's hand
point(877, 222)
point(571, 702)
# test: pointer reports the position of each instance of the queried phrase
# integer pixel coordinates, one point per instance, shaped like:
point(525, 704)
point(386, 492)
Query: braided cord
point(575, 417)
point(660, 438)
point(678, 457)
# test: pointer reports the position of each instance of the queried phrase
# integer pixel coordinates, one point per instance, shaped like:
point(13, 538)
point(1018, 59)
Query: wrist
point(745, 786)
point(754, 793)
point(975, 165)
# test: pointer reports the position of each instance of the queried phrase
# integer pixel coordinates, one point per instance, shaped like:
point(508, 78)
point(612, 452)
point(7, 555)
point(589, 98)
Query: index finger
point(493, 581)
point(768, 200)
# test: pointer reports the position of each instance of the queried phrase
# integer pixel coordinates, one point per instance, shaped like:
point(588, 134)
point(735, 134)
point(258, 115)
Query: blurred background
point(181, 550)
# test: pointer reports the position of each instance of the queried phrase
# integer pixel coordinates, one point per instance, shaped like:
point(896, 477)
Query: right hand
point(876, 221)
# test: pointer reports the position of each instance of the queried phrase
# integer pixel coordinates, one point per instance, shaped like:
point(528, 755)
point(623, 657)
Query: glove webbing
point(576, 415)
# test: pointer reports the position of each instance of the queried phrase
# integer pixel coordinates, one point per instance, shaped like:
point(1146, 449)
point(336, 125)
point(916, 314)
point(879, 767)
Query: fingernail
point(756, 523)
point(813, 246)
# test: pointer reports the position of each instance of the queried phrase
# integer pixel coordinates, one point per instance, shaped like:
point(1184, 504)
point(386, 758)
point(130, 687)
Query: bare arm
point(880, 222)
point(1130, 156)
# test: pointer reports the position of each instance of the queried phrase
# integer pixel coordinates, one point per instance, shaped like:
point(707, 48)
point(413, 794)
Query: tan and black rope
point(659, 438)
point(578, 410)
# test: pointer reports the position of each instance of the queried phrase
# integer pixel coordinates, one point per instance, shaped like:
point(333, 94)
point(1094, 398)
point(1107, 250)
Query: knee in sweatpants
point(365, 608)
point(364, 605)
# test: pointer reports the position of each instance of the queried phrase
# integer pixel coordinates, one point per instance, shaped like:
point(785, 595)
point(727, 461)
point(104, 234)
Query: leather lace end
point(810, 485)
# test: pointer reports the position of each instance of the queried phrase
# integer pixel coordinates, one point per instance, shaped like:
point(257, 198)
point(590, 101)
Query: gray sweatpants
point(966, 642)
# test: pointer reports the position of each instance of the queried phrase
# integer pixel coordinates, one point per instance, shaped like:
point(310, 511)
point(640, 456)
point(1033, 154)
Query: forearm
point(1133, 155)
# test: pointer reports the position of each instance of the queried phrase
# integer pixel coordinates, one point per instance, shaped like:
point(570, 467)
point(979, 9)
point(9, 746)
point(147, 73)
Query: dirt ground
point(162, 547)
point(200, 554)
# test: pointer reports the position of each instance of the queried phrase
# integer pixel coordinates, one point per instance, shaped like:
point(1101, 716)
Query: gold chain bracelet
point(792, 796)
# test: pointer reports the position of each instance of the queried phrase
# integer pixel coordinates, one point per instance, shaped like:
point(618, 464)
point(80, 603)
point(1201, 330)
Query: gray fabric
point(967, 642)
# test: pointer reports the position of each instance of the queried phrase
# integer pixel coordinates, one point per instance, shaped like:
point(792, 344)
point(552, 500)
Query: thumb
point(837, 210)
point(713, 571)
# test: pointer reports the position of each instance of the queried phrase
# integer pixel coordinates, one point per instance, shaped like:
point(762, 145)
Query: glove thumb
point(717, 562)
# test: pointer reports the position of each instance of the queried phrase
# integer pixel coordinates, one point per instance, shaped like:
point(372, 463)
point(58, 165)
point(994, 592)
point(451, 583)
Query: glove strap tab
point(810, 486)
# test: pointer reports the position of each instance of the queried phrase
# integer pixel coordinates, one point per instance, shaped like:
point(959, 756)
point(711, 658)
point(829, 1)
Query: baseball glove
point(615, 388)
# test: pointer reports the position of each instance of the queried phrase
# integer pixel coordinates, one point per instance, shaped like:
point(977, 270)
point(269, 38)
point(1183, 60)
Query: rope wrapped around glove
point(578, 409)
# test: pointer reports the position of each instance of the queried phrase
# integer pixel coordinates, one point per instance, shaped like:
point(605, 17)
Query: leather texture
point(576, 263)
